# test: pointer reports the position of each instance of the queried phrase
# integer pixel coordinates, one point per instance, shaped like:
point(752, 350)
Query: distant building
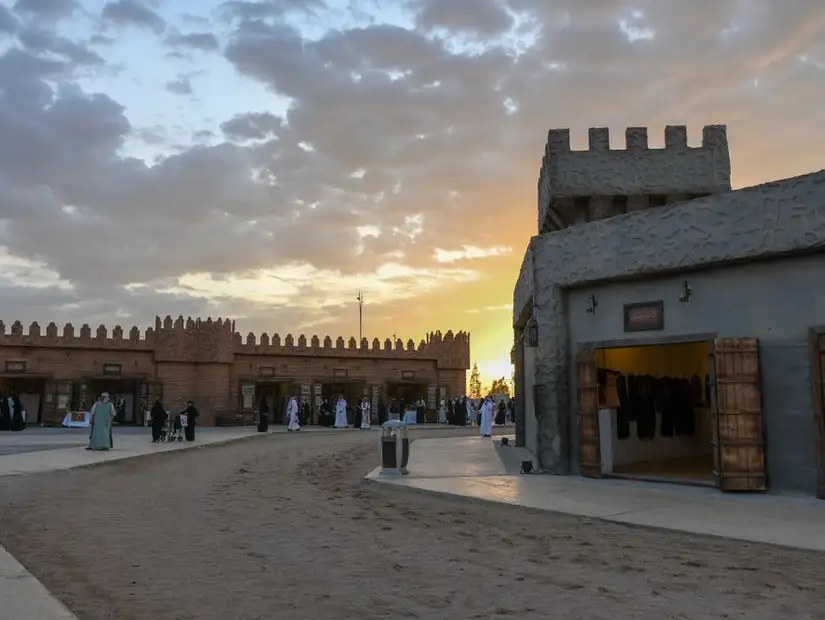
point(209, 362)
point(667, 327)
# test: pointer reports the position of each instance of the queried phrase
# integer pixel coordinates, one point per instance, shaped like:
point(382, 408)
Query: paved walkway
point(477, 468)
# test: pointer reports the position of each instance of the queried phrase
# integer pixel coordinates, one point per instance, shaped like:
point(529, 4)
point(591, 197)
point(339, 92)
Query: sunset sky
point(265, 160)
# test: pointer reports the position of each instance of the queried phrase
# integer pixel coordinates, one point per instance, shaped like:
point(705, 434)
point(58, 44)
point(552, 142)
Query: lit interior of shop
point(352, 392)
point(407, 393)
point(125, 395)
point(654, 419)
point(276, 395)
point(30, 390)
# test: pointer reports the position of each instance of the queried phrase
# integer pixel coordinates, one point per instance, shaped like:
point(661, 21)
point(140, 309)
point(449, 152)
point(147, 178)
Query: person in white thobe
point(366, 413)
point(341, 413)
point(471, 412)
point(485, 428)
point(292, 415)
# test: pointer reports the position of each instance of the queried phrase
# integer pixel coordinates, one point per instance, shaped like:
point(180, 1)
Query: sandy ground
point(283, 527)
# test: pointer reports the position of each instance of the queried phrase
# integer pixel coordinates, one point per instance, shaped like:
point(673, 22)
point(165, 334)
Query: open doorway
point(407, 393)
point(30, 390)
point(352, 391)
point(276, 395)
point(655, 419)
point(125, 395)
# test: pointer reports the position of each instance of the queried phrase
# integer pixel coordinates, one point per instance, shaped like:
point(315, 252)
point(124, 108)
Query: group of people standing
point(465, 411)
point(103, 413)
point(12, 414)
point(461, 411)
point(158, 416)
point(298, 415)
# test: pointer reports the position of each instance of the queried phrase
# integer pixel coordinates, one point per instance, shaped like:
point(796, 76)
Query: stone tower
point(576, 187)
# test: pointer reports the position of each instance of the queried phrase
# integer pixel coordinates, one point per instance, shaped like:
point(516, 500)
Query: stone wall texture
point(782, 217)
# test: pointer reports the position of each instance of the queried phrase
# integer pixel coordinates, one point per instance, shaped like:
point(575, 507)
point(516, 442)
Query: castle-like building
point(227, 375)
point(668, 326)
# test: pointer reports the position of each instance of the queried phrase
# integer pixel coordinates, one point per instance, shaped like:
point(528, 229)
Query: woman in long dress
point(263, 416)
point(5, 414)
point(191, 419)
point(341, 413)
point(366, 413)
point(485, 424)
point(158, 415)
point(103, 412)
point(292, 415)
point(18, 414)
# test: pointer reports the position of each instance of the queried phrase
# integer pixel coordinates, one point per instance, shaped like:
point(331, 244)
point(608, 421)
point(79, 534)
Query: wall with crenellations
point(205, 341)
point(204, 359)
point(576, 187)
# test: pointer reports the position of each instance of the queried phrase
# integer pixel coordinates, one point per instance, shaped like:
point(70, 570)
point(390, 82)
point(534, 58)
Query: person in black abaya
point(324, 417)
point(192, 416)
point(382, 413)
point(461, 412)
point(18, 419)
point(158, 416)
point(5, 414)
point(263, 416)
point(501, 414)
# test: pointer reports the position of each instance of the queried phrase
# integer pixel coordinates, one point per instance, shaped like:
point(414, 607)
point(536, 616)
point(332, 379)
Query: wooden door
point(818, 380)
point(590, 453)
point(738, 441)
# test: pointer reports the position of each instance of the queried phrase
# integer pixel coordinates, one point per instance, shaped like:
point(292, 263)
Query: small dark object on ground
point(505, 441)
point(526, 467)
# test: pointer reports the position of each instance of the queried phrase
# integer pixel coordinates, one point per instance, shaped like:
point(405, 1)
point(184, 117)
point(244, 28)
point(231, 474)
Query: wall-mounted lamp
point(686, 293)
point(592, 305)
point(531, 334)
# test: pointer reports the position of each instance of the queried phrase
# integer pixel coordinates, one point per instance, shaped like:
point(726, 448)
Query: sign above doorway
point(646, 316)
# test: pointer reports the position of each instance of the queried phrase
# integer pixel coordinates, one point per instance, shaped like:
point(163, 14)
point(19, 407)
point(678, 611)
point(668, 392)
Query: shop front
point(132, 396)
point(692, 379)
point(32, 390)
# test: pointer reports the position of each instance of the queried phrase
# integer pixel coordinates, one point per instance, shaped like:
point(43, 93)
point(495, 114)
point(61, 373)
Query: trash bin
point(395, 448)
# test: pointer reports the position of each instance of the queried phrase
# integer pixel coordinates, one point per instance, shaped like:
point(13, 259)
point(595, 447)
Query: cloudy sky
point(265, 160)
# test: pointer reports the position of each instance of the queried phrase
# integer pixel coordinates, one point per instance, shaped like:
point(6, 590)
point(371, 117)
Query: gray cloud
point(478, 17)
point(133, 13)
point(246, 10)
point(389, 129)
point(45, 41)
point(181, 85)
point(252, 126)
point(204, 41)
point(47, 9)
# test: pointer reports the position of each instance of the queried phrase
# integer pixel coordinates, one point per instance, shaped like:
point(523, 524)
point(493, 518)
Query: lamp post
point(360, 317)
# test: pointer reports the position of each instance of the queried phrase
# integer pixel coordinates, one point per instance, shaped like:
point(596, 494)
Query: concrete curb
point(24, 597)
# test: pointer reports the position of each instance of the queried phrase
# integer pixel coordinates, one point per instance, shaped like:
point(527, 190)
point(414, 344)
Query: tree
point(500, 386)
point(474, 389)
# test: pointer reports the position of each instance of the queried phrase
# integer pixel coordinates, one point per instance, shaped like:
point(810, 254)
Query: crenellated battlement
point(636, 139)
point(208, 340)
point(451, 350)
point(578, 186)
